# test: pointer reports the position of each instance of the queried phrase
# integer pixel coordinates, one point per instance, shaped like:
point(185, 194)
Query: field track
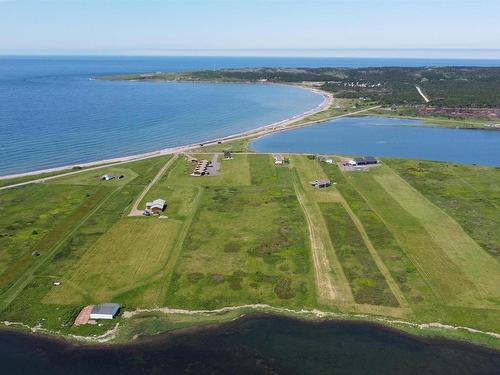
point(135, 211)
point(324, 284)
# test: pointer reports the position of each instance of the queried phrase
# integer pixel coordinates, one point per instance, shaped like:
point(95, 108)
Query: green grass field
point(247, 243)
point(367, 282)
point(409, 240)
point(139, 250)
point(439, 268)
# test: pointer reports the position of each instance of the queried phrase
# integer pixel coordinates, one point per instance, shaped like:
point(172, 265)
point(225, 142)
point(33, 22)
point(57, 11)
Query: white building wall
point(101, 316)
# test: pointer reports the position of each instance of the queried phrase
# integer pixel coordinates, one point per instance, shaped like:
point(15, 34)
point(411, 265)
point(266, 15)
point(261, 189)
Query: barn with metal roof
point(105, 311)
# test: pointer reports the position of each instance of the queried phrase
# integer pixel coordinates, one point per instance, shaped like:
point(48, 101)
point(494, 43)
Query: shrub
point(283, 289)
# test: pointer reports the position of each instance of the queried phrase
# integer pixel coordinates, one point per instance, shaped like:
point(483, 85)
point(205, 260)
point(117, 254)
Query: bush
point(232, 247)
point(283, 289)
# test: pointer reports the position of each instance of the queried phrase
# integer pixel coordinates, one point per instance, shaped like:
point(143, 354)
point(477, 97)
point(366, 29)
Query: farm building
point(278, 159)
point(156, 206)
point(107, 177)
point(105, 311)
point(321, 183)
point(367, 160)
point(348, 162)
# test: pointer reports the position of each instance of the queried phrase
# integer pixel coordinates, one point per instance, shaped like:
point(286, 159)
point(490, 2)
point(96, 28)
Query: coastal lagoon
point(387, 137)
point(254, 345)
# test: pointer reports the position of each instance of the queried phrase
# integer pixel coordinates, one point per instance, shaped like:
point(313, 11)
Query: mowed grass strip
point(449, 281)
point(310, 170)
point(469, 194)
point(367, 283)
point(404, 272)
point(482, 269)
point(267, 175)
point(247, 244)
point(131, 253)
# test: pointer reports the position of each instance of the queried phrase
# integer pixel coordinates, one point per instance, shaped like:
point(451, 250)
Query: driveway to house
point(135, 211)
point(214, 169)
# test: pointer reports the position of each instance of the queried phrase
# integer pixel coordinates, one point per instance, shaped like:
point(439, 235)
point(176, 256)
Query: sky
point(251, 27)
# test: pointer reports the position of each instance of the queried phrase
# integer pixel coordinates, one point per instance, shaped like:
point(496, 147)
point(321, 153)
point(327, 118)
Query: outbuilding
point(107, 177)
point(105, 311)
point(367, 160)
point(156, 206)
point(321, 183)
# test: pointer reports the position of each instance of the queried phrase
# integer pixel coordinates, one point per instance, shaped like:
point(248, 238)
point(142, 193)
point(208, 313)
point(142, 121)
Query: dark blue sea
point(52, 113)
point(389, 137)
point(253, 345)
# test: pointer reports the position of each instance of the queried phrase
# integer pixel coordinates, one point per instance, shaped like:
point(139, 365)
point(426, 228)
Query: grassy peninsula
point(409, 244)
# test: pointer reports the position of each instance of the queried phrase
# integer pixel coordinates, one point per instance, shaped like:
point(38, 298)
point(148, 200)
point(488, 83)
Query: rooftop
point(106, 308)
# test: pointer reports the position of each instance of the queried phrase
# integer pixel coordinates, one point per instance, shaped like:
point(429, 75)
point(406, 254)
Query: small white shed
point(107, 177)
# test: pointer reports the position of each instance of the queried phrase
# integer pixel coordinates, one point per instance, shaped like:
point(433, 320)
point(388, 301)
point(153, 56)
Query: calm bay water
point(254, 345)
point(52, 114)
point(389, 137)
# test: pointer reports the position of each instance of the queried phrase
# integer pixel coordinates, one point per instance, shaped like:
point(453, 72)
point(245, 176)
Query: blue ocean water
point(390, 137)
point(53, 114)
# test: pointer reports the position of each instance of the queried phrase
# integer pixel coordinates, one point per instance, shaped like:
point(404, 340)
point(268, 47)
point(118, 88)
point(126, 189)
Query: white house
point(156, 206)
point(107, 177)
